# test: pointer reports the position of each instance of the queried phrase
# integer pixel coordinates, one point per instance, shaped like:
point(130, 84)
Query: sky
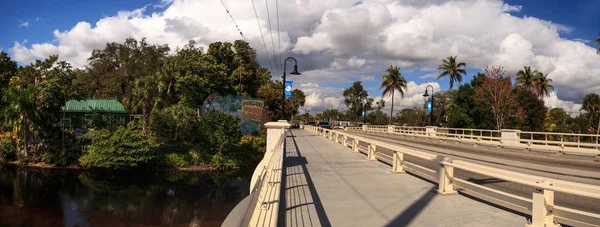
point(336, 42)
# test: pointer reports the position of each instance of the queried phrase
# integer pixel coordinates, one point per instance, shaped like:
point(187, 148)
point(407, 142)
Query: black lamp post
point(295, 72)
point(427, 95)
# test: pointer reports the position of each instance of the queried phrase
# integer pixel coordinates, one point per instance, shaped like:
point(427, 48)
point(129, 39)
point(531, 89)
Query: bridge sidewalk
point(327, 185)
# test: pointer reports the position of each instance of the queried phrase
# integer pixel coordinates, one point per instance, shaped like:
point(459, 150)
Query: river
point(43, 197)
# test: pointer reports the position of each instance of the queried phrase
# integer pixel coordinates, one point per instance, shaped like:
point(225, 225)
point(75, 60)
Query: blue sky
point(579, 17)
point(46, 16)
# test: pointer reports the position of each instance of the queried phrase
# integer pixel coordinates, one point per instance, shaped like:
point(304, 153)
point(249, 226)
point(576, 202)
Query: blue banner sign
point(364, 113)
point(429, 106)
point(288, 89)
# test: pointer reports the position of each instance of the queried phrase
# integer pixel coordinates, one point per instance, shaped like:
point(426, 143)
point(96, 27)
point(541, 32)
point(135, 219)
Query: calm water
point(34, 197)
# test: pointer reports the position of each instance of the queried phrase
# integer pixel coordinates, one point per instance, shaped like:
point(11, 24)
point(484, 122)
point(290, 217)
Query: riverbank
point(43, 165)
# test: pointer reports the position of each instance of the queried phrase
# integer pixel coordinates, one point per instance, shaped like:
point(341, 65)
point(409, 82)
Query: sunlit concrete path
point(327, 185)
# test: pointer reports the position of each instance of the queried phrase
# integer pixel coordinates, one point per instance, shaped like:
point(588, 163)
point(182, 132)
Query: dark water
point(34, 197)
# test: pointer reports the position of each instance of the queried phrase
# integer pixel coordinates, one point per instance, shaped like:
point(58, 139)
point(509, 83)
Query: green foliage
point(378, 117)
point(412, 117)
point(220, 133)
point(7, 148)
point(454, 70)
point(531, 111)
point(124, 148)
point(175, 123)
point(466, 112)
point(272, 92)
point(357, 99)
point(250, 151)
point(178, 160)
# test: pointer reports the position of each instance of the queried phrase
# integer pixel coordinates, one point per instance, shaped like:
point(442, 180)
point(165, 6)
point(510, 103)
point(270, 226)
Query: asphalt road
point(576, 169)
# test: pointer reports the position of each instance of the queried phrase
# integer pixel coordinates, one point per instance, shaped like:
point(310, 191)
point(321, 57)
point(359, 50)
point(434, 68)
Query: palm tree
point(527, 77)
point(543, 85)
point(452, 70)
point(391, 82)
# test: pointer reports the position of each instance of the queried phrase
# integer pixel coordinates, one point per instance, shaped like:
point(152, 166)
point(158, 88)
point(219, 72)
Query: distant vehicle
point(324, 124)
point(311, 123)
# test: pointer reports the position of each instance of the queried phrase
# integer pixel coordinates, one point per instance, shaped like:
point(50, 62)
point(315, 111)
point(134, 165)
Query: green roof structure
point(91, 105)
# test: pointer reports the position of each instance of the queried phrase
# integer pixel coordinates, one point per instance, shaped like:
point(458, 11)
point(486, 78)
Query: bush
point(250, 151)
point(70, 154)
point(7, 148)
point(123, 148)
point(220, 133)
point(177, 160)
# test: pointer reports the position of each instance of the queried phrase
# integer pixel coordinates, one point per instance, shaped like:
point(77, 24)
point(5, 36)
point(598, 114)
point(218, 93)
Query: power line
point(262, 36)
point(236, 25)
point(272, 42)
point(278, 33)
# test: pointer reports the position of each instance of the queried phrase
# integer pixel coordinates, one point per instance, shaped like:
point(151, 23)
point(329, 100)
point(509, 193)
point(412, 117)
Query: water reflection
point(31, 197)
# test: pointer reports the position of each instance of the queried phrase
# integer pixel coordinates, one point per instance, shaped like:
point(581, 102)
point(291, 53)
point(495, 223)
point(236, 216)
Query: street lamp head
point(295, 72)
point(426, 94)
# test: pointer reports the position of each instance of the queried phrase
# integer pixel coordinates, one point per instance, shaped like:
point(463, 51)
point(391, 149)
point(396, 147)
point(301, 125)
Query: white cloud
point(366, 78)
point(554, 102)
point(336, 41)
point(432, 75)
point(309, 85)
point(23, 24)
point(582, 40)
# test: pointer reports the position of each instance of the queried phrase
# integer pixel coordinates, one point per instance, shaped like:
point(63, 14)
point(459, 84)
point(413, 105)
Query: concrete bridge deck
point(327, 185)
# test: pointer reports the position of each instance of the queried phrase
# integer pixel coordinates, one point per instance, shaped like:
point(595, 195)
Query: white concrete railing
point(261, 207)
point(563, 143)
point(541, 207)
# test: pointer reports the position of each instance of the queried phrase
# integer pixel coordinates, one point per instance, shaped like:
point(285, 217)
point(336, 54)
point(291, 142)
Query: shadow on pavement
point(407, 216)
point(301, 161)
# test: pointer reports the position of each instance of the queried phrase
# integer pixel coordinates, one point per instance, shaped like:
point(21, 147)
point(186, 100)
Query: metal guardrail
point(541, 207)
point(261, 207)
point(563, 143)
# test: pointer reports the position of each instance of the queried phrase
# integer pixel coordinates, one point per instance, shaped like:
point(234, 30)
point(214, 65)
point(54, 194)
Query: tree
point(124, 148)
point(8, 69)
point(530, 111)
point(543, 85)
point(378, 117)
point(412, 117)
point(112, 70)
point(391, 82)
point(528, 78)
point(452, 69)
point(465, 111)
point(221, 133)
point(591, 105)
point(330, 114)
point(495, 93)
point(558, 120)
point(272, 92)
point(144, 96)
point(357, 99)
point(35, 98)
point(442, 104)
point(380, 104)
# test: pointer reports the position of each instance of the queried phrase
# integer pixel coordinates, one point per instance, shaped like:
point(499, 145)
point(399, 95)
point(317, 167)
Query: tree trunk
point(25, 136)
point(392, 110)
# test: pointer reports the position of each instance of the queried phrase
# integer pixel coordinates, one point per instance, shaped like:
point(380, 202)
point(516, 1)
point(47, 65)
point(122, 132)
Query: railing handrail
point(265, 186)
point(578, 144)
point(544, 184)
